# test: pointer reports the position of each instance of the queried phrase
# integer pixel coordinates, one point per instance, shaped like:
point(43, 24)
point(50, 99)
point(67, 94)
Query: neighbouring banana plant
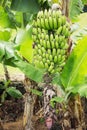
point(7, 89)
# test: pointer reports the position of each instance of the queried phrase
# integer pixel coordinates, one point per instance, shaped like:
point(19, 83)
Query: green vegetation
point(49, 46)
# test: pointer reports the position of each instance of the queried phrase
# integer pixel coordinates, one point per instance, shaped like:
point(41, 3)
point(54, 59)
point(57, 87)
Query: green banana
point(46, 13)
point(61, 38)
point(50, 57)
point(34, 31)
point(64, 29)
point(47, 56)
point(49, 51)
point(43, 49)
point(63, 58)
point(58, 14)
point(39, 46)
point(41, 64)
point(62, 45)
point(44, 44)
point(50, 12)
point(43, 55)
point(59, 58)
point(41, 41)
point(58, 51)
point(47, 37)
point(51, 37)
point(59, 69)
point(46, 66)
point(62, 64)
point(50, 22)
point(52, 44)
point(50, 68)
point(52, 63)
point(59, 22)
point(52, 71)
point(40, 14)
point(36, 48)
point(38, 22)
point(44, 60)
point(66, 46)
point(39, 30)
point(67, 33)
point(62, 51)
point(58, 32)
point(55, 26)
point(48, 44)
point(46, 23)
point(54, 14)
point(42, 36)
point(63, 20)
point(42, 24)
point(40, 58)
point(56, 38)
point(34, 37)
point(39, 51)
point(48, 61)
point(39, 36)
point(56, 45)
point(55, 59)
point(54, 52)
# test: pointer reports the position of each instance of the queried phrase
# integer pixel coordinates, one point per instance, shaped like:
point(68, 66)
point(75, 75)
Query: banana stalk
point(49, 93)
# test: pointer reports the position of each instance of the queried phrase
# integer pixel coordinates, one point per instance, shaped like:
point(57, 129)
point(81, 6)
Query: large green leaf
point(30, 71)
point(84, 1)
point(79, 89)
point(75, 8)
point(25, 5)
point(82, 20)
point(75, 70)
point(7, 51)
point(8, 54)
point(80, 27)
point(24, 38)
point(4, 19)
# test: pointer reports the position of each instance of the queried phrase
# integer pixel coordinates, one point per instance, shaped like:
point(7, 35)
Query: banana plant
point(32, 69)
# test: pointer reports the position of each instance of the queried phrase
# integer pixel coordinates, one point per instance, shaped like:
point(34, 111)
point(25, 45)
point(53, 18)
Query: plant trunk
point(65, 7)
point(48, 93)
point(29, 105)
point(27, 123)
point(77, 116)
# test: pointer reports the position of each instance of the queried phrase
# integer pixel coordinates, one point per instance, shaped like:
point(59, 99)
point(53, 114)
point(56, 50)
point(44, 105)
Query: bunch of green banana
point(50, 33)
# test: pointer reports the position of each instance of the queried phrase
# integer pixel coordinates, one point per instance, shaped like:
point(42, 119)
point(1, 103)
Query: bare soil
point(11, 115)
point(11, 112)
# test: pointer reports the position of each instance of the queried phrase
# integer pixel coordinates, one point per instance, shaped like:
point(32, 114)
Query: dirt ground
point(11, 116)
point(19, 126)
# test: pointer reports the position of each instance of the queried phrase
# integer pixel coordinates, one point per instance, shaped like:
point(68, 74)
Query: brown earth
point(19, 126)
point(11, 115)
